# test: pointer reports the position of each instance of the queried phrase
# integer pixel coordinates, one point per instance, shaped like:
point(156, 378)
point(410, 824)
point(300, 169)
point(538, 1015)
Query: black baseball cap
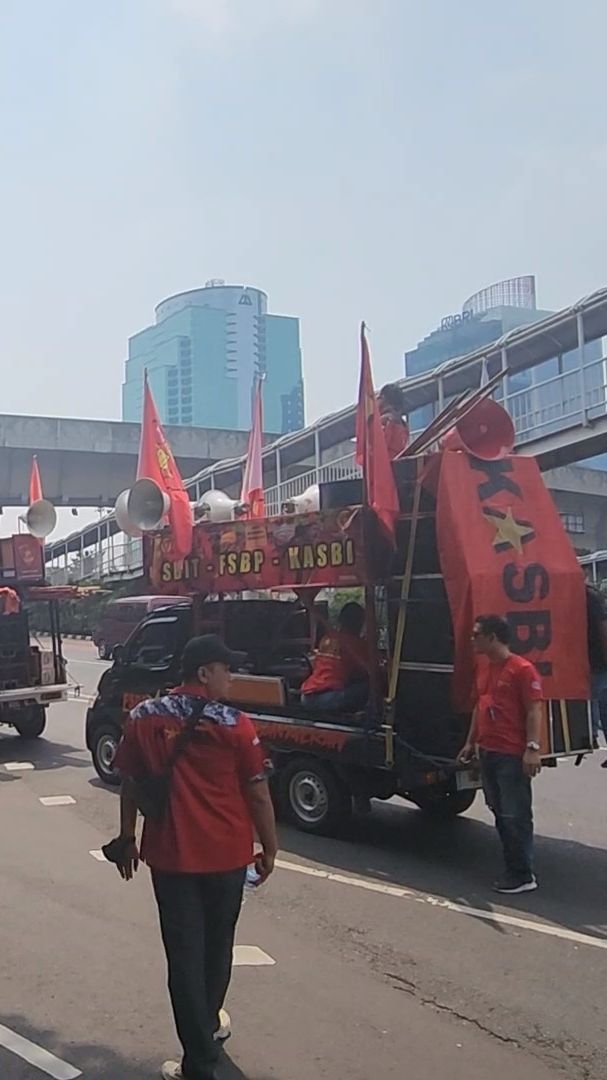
point(209, 649)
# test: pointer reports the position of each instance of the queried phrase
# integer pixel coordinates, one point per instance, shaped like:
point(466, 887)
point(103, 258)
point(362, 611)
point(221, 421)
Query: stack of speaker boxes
point(15, 652)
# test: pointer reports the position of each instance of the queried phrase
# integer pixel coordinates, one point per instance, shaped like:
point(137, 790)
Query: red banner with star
point(504, 551)
point(321, 549)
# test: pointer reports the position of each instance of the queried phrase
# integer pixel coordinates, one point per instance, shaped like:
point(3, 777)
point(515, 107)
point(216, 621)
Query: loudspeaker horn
point(147, 505)
point(141, 508)
point(486, 432)
point(40, 519)
point(215, 505)
point(121, 510)
point(306, 503)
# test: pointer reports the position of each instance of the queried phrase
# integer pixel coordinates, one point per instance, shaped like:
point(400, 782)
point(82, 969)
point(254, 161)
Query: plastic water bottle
point(252, 878)
point(251, 882)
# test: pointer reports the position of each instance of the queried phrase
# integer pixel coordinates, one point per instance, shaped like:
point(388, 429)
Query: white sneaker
point(171, 1070)
point(225, 1026)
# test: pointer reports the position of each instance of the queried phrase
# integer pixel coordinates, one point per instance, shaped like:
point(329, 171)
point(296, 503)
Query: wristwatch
point(533, 745)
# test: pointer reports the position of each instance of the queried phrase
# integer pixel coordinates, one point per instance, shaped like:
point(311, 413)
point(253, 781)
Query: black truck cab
point(275, 634)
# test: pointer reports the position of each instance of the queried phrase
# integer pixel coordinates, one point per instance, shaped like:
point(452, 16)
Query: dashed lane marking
point(448, 905)
point(244, 955)
point(251, 956)
point(36, 1056)
point(57, 800)
point(18, 766)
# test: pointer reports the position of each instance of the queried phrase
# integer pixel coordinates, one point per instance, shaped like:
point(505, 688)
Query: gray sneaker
point(510, 886)
point(171, 1070)
point(225, 1026)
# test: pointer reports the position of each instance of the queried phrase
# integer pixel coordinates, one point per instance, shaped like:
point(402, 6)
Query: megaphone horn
point(306, 503)
point(486, 432)
point(216, 505)
point(41, 519)
point(147, 505)
point(121, 510)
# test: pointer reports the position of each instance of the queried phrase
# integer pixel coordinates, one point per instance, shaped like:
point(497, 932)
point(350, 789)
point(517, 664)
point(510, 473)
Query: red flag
point(371, 449)
point(252, 481)
point(156, 462)
point(503, 550)
point(35, 483)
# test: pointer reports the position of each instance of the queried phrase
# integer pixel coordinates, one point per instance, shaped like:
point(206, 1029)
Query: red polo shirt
point(341, 659)
point(505, 692)
point(207, 827)
point(396, 434)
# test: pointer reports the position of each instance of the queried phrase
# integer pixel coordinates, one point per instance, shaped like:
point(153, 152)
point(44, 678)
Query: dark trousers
point(508, 794)
point(198, 916)
point(353, 698)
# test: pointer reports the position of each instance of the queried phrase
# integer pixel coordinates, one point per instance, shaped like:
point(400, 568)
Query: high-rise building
point(536, 396)
point(485, 317)
point(202, 357)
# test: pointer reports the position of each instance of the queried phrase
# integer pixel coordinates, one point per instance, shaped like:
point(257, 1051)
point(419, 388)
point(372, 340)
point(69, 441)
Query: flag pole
point(369, 590)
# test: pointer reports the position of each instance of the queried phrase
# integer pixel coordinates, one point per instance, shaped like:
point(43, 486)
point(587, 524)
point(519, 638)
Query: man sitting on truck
point(340, 673)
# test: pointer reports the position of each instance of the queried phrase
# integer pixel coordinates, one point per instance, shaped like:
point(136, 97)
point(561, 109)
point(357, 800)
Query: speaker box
point(338, 493)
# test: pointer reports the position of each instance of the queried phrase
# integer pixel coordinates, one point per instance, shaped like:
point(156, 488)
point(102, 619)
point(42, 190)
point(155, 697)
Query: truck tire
point(104, 744)
point(31, 722)
point(104, 651)
point(312, 796)
point(445, 804)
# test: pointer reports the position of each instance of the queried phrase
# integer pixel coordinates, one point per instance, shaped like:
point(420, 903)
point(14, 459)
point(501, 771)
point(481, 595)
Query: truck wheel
point(312, 797)
point(104, 651)
point(104, 745)
point(31, 722)
point(445, 804)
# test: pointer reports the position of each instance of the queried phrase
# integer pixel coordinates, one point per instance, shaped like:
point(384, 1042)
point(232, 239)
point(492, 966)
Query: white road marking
point(57, 800)
point(251, 956)
point(89, 663)
point(18, 766)
point(36, 1056)
point(449, 905)
point(99, 856)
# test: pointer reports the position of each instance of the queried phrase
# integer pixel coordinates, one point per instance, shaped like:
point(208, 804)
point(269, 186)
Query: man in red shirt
point(340, 673)
point(391, 408)
point(506, 727)
point(199, 845)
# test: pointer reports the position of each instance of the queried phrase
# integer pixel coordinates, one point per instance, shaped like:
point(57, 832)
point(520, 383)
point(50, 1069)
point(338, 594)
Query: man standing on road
point(199, 845)
point(506, 725)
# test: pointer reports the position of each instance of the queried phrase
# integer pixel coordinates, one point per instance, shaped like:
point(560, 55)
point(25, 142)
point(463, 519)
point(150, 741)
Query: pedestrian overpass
point(89, 462)
point(554, 387)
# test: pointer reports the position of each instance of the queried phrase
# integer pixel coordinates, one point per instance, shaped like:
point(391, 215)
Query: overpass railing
point(120, 559)
point(569, 399)
point(565, 391)
point(565, 400)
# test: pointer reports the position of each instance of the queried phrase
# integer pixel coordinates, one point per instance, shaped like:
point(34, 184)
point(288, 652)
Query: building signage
point(451, 321)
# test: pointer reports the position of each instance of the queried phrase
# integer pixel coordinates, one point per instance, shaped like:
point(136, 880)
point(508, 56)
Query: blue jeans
point(508, 794)
point(598, 705)
point(352, 699)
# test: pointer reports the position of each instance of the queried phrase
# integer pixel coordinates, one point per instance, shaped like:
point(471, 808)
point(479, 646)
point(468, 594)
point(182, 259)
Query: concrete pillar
point(581, 344)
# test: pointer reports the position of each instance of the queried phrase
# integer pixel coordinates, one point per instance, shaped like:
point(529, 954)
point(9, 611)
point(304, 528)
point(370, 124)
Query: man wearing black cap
point(199, 847)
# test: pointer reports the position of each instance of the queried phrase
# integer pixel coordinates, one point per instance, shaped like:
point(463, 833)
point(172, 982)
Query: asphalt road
point(379, 955)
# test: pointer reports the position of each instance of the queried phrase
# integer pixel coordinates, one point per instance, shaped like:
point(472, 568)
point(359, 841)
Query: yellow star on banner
point(508, 530)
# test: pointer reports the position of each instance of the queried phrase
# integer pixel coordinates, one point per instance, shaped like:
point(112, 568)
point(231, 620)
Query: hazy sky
point(375, 160)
